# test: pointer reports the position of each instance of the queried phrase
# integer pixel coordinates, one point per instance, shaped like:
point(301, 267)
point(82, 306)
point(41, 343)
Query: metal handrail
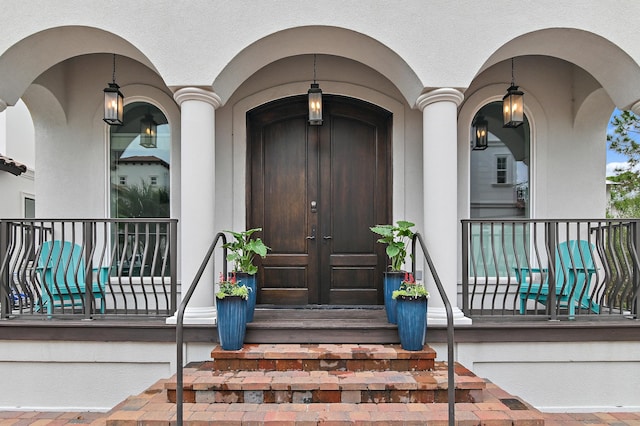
point(180, 318)
point(451, 391)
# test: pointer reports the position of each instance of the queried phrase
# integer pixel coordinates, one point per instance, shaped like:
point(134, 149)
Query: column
point(439, 152)
point(197, 175)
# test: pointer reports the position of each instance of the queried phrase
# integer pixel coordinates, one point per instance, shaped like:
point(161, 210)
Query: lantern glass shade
point(113, 105)
point(480, 133)
point(315, 105)
point(148, 132)
point(513, 107)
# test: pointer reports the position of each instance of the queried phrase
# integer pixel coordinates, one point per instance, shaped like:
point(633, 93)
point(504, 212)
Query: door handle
point(313, 233)
point(327, 237)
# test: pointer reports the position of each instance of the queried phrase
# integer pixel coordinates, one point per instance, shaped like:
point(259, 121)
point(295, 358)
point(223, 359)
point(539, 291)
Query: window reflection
point(140, 170)
point(499, 174)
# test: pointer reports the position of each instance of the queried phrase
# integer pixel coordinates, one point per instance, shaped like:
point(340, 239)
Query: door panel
point(280, 165)
point(315, 190)
point(350, 146)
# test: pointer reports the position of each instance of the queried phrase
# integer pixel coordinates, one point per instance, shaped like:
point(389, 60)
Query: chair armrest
point(531, 269)
point(102, 274)
point(523, 273)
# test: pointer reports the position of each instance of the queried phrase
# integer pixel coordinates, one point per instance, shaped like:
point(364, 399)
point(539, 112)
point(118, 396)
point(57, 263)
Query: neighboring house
point(155, 172)
point(17, 147)
point(498, 187)
point(227, 82)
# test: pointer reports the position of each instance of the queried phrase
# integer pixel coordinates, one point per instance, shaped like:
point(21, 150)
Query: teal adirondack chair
point(574, 269)
point(62, 276)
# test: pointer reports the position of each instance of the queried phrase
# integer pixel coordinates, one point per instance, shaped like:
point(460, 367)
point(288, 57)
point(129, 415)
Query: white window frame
point(505, 170)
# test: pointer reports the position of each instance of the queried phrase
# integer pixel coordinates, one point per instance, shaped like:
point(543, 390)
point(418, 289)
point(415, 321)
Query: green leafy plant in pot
point(396, 237)
point(231, 303)
point(411, 311)
point(241, 252)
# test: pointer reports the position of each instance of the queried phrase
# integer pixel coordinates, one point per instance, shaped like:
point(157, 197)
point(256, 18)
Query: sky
point(613, 158)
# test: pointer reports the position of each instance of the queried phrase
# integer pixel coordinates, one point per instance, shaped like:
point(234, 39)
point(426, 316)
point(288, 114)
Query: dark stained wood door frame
point(319, 179)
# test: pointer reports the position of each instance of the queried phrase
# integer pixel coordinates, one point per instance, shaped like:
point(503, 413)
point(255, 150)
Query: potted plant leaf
point(241, 252)
point(411, 310)
point(396, 237)
point(231, 304)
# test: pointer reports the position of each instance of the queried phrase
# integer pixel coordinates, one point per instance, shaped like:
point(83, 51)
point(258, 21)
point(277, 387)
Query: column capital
point(197, 94)
point(439, 95)
point(635, 108)
point(3, 105)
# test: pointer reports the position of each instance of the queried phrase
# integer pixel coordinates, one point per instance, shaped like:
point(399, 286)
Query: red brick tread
point(150, 408)
point(326, 386)
point(326, 357)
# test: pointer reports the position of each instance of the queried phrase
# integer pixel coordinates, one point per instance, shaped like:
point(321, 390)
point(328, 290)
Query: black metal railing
point(550, 269)
point(451, 395)
point(209, 258)
point(88, 267)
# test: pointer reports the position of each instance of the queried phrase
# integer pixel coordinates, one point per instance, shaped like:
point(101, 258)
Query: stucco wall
point(560, 377)
point(96, 376)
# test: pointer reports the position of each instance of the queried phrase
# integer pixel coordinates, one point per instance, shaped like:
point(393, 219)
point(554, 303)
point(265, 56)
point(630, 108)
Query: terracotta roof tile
point(10, 165)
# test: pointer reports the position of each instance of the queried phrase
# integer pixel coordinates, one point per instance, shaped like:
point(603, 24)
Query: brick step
point(151, 408)
point(296, 387)
point(321, 357)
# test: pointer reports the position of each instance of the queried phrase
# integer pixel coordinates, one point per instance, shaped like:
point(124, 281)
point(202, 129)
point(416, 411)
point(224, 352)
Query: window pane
point(499, 174)
point(140, 163)
point(29, 208)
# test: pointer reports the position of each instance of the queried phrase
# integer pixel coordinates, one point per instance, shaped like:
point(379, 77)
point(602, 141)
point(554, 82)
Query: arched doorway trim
point(166, 104)
point(323, 40)
point(538, 124)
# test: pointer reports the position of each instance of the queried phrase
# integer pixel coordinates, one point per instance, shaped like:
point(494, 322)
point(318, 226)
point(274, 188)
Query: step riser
point(324, 396)
point(319, 365)
point(294, 335)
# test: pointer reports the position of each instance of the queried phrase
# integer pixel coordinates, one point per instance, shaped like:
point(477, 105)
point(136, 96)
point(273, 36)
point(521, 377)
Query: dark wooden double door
point(315, 191)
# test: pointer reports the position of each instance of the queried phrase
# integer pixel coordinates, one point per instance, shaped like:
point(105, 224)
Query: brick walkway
point(24, 418)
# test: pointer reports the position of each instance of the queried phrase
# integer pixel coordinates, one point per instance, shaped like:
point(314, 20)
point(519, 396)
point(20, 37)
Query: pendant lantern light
point(113, 101)
point(148, 132)
point(315, 100)
point(480, 133)
point(513, 104)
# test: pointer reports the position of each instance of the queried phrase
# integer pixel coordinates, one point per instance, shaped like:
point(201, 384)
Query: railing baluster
point(466, 309)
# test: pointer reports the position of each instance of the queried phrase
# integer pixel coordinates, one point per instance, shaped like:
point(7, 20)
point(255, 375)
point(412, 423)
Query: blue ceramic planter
point(392, 281)
point(412, 322)
point(251, 282)
point(232, 322)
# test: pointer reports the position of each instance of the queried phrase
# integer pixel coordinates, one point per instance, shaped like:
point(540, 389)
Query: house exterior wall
point(95, 376)
point(548, 374)
point(573, 63)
